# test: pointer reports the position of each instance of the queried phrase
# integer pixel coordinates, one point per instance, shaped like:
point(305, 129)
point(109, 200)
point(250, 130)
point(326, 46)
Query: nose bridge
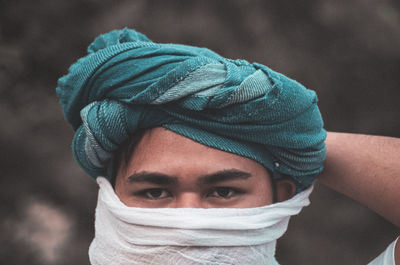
point(188, 200)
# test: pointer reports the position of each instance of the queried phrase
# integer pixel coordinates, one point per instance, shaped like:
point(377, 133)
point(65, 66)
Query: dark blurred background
point(346, 50)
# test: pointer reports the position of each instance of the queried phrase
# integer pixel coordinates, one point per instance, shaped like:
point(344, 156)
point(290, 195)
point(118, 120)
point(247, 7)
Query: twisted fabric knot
point(127, 82)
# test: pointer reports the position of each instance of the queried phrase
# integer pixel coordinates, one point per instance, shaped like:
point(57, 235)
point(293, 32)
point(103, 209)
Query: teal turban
point(128, 83)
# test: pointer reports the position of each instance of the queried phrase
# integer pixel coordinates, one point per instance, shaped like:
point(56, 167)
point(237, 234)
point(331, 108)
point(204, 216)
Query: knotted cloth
point(188, 236)
point(127, 83)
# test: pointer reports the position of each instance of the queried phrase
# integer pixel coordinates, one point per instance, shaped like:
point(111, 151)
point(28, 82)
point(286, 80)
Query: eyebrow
point(224, 175)
point(153, 178)
point(210, 179)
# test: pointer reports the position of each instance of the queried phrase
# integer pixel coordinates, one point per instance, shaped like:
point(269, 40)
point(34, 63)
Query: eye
point(224, 192)
point(154, 194)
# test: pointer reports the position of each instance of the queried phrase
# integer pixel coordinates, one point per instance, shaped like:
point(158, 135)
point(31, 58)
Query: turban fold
point(127, 83)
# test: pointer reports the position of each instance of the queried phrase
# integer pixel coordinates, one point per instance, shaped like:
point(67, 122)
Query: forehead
point(165, 151)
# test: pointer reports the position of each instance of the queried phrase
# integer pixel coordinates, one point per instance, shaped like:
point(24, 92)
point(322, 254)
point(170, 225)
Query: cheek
point(259, 199)
point(261, 193)
point(121, 190)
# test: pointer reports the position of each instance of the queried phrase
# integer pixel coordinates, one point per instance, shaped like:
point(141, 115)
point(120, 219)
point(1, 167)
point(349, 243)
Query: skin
point(397, 252)
point(170, 170)
point(366, 169)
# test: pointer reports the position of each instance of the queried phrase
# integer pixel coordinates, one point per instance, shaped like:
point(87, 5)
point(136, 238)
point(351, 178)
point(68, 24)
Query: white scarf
point(165, 236)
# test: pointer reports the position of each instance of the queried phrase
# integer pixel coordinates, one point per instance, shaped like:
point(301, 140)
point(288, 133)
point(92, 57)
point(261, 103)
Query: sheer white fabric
point(130, 235)
point(386, 257)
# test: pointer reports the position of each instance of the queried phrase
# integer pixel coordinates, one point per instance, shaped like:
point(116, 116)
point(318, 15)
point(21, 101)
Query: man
point(208, 157)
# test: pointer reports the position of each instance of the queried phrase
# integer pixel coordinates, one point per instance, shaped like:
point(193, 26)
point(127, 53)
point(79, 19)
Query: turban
point(128, 83)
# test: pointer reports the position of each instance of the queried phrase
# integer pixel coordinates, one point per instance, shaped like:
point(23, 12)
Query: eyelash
point(144, 193)
point(233, 190)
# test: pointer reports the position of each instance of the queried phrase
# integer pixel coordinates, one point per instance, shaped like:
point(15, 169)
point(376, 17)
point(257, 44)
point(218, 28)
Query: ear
point(285, 189)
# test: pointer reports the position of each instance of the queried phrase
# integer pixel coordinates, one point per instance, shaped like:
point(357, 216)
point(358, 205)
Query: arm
point(367, 169)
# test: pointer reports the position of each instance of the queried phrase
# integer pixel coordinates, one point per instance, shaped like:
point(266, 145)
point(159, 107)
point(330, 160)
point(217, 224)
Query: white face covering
point(129, 235)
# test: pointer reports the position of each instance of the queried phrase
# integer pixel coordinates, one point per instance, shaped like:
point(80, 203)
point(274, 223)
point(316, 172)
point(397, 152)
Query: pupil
point(223, 192)
point(155, 193)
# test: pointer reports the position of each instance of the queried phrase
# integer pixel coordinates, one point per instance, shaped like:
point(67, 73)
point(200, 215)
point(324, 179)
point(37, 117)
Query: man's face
point(170, 170)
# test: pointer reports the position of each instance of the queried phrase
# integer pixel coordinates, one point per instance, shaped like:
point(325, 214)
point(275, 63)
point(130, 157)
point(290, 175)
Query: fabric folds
point(188, 236)
point(127, 82)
